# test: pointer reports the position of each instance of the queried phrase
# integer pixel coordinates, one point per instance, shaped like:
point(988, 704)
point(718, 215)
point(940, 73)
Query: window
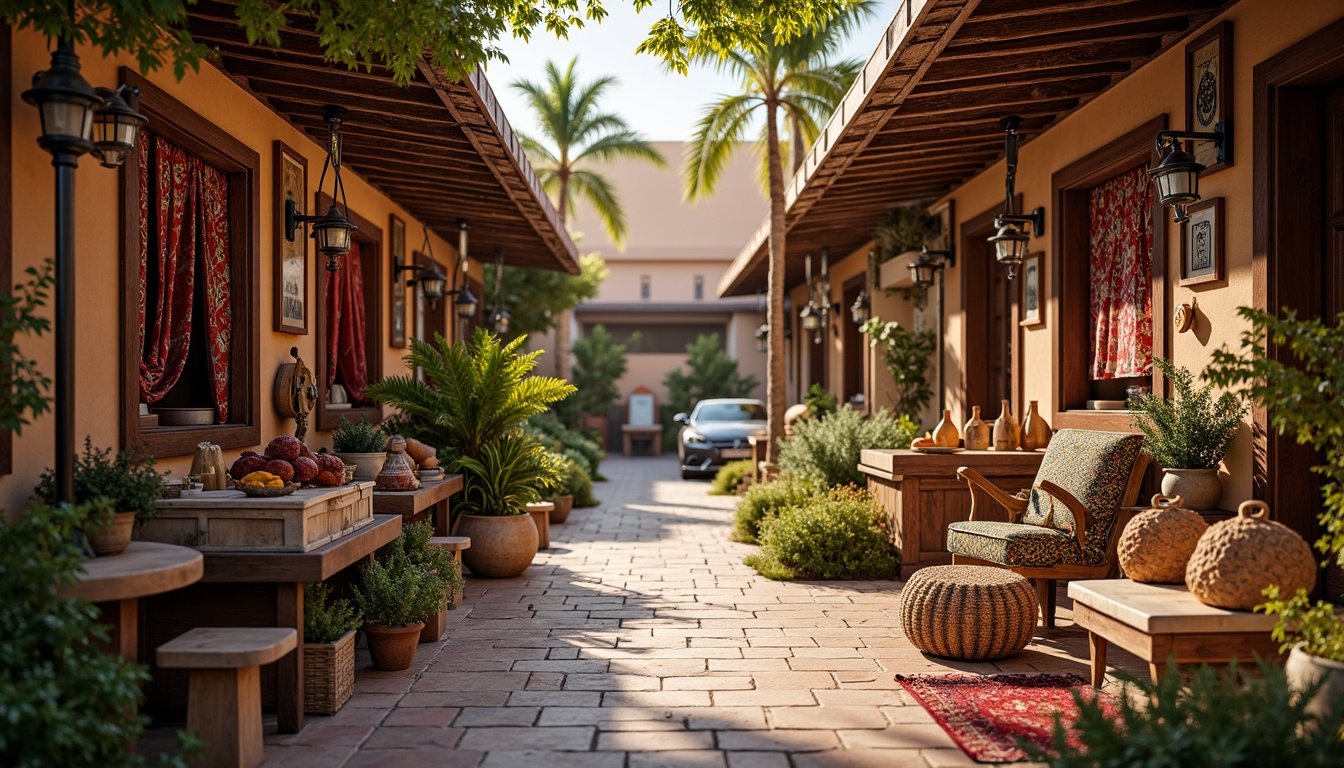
point(669, 339)
point(644, 286)
point(190, 296)
point(349, 340)
point(699, 287)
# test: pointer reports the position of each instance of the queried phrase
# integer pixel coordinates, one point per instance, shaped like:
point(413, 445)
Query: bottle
point(977, 434)
point(1006, 434)
point(1036, 432)
point(945, 435)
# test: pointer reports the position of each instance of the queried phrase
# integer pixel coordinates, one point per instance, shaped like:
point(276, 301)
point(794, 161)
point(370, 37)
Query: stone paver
point(641, 640)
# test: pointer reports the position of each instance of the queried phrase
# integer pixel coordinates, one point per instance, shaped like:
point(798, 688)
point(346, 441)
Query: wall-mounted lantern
point(1010, 241)
point(331, 230)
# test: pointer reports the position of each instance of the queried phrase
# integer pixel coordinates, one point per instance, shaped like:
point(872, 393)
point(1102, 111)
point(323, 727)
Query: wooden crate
point(231, 521)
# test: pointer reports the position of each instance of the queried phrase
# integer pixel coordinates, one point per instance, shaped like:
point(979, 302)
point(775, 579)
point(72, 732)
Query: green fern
point(1192, 430)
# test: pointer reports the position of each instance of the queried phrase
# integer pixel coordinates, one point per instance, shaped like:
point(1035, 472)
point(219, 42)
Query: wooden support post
point(289, 669)
point(224, 709)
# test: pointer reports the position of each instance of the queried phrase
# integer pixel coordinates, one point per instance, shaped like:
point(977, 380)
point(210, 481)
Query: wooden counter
point(922, 495)
point(431, 500)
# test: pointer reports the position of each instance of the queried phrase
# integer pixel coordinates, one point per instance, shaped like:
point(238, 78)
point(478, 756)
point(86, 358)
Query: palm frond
point(598, 192)
point(717, 135)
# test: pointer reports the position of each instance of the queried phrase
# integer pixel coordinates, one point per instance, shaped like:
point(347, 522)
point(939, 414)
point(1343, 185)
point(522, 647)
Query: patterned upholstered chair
point(1063, 527)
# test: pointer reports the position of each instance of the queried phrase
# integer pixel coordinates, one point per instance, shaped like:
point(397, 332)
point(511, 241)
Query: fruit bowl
point(261, 490)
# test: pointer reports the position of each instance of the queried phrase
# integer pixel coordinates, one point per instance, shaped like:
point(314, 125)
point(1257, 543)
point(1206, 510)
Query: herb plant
point(394, 592)
point(1192, 430)
point(1314, 625)
point(358, 437)
point(906, 354)
point(765, 500)
point(729, 477)
point(326, 620)
point(827, 450)
point(841, 534)
point(126, 482)
point(414, 541)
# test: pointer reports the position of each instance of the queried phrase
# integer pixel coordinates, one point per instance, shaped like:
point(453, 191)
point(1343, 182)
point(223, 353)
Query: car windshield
point(730, 412)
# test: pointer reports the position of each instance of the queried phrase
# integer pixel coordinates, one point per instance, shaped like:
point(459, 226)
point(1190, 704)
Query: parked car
point(716, 433)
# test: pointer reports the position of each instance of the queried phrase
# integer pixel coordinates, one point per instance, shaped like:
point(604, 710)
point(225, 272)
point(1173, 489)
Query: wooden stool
point(454, 544)
point(224, 698)
point(541, 515)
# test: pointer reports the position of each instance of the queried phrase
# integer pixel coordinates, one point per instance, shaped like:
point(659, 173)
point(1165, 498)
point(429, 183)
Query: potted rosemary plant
point(395, 596)
point(124, 486)
point(360, 444)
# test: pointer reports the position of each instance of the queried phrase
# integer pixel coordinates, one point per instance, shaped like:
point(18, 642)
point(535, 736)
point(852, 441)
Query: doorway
point(989, 334)
point(855, 350)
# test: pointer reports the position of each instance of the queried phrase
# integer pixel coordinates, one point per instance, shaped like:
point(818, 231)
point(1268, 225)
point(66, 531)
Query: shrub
point(820, 403)
point(840, 535)
point(573, 482)
point(548, 428)
point(414, 541)
point(326, 620)
point(729, 477)
point(357, 437)
point(510, 473)
point(764, 501)
point(906, 354)
point(1301, 622)
point(394, 592)
point(827, 450)
point(127, 482)
point(599, 362)
point(1192, 430)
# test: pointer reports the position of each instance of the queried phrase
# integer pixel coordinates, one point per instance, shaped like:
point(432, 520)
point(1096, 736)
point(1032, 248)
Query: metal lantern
point(66, 102)
point(1176, 177)
point(331, 230)
point(923, 269)
point(811, 317)
point(860, 311)
point(763, 338)
point(1010, 247)
point(116, 126)
point(432, 282)
point(466, 303)
point(499, 320)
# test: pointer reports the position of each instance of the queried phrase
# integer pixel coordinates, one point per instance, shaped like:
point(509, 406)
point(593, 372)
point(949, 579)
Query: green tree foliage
point(536, 298)
point(576, 134)
point(1193, 430)
point(906, 354)
point(838, 534)
point(827, 450)
point(26, 393)
point(711, 373)
point(599, 362)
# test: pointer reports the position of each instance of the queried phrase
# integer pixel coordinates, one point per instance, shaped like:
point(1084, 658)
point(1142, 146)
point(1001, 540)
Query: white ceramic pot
point(367, 465)
point(1303, 670)
point(1200, 488)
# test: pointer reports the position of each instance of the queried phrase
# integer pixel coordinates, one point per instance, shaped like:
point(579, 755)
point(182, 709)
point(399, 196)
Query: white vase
point(1303, 670)
point(367, 465)
point(1200, 488)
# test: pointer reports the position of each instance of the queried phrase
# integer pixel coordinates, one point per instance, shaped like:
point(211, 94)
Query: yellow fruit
point(260, 478)
point(276, 483)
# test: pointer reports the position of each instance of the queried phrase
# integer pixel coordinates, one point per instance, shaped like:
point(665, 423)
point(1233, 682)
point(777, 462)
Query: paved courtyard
point(640, 640)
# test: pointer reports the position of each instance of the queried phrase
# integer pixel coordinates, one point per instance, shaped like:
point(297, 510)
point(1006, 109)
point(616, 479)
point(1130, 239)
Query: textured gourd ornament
point(1157, 544)
point(1006, 434)
point(1237, 558)
point(1036, 432)
point(945, 435)
point(978, 436)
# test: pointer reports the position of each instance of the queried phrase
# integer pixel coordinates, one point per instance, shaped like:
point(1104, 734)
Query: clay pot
point(541, 515)
point(945, 435)
point(1007, 436)
point(1036, 432)
point(977, 435)
point(563, 506)
point(500, 546)
point(1201, 488)
point(435, 624)
point(115, 538)
point(598, 424)
point(1303, 670)
point(367, 465)
point(393, 648)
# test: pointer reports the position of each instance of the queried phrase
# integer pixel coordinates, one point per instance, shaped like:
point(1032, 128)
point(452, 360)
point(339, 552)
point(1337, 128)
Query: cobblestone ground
point(640, 640)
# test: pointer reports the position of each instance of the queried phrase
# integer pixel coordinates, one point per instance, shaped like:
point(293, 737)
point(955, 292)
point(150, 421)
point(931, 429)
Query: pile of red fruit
point(289, 459)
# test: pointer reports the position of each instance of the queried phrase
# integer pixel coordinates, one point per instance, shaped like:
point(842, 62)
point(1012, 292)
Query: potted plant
point(1313, 637)
point(360, 444)
point(124, 487)
point(903, 232)
point(599, 362)
point(570, 478)
point(508, 474)
point(328, 650)
point(395, 596)
point(1188, 435)
point(415, 541)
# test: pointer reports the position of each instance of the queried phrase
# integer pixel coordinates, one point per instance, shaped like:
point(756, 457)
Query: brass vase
point(977, 435)
point(1006, 434)
point(1036, 432)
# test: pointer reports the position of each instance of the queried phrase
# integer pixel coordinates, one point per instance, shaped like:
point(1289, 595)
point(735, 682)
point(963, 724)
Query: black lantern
point(499, 320)
point(861, 309)
point(116, 127)
point(432, 283)
point(924, 269)
point(66, 102)
point(466, 303)
point(331, 230)
point(763, 337)
point(1176, 177)
point(811, 317)
point(1010, 241)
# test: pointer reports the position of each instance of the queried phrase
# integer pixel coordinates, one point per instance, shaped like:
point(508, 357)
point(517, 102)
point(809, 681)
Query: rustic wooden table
point(117, 582)
point(416, 506)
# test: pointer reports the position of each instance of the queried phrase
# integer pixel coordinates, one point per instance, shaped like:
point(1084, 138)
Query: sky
point(662, 105)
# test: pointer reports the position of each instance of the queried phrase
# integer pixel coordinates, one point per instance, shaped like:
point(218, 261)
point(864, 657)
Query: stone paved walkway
point(640, 640)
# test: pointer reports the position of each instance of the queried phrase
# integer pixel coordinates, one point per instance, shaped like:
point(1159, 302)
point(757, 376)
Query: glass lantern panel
point(67, 118)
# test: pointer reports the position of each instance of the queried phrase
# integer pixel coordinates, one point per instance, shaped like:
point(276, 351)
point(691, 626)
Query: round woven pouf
point(970, 612)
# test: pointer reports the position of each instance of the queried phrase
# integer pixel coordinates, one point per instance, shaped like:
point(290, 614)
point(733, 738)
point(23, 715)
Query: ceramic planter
point(328, 674)
point(500, 546)
point(1303, 670)
point(563, 506)
point(115, 538)
point(393, 648)
point(1200, 488)
point(367, 465)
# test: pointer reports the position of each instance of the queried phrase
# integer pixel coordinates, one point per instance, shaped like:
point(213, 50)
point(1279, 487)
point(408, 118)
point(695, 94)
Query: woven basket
point(263, 491)
point(969, 612)
point(328, 675)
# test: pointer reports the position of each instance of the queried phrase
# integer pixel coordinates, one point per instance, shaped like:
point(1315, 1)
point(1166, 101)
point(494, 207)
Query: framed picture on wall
point(1031, 291)
point(290, 291)
point(1208, 90)
point(944, 213)
point(1202, 243)
point(397, 306)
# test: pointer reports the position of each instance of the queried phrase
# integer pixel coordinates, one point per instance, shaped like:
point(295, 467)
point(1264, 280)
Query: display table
point(257, 589)
point(117, 582)
point(632, 432)
point(416, 506)
point(1154, 621)
point(921, 495)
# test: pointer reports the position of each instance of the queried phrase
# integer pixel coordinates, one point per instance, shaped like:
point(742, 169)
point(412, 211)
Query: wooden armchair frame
point(1045, 577)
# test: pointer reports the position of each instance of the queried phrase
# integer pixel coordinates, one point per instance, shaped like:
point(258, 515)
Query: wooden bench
point(224, 697)
point(454, 544)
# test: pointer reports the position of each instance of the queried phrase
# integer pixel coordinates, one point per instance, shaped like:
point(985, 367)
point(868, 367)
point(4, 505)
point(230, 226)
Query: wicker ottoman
point(970, 612)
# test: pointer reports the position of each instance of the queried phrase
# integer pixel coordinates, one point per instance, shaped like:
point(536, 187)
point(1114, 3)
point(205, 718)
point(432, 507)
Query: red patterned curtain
point(345, 326)
point(186, 227)
point(1121, 233)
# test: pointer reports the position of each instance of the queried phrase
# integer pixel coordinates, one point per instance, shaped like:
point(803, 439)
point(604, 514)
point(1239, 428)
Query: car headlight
point(691, 436)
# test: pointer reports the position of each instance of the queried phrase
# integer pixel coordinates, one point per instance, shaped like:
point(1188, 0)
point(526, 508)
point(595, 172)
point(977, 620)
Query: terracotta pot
point(1303, 670)
point(500, 546)
point(977, 434)
point(435, 624)
point(1200, 488)
point(541, 515)
point(563, 506)
point(367, 465)
point(393, 648)
point(600, 424)
point(115, 538)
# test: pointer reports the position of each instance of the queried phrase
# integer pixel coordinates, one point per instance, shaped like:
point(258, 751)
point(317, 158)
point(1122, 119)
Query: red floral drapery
point(187, 228)
point(1121, 239)
point(345, 326)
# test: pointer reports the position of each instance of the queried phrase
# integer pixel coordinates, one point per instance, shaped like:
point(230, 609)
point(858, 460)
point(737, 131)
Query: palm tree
point(802, 77)
point(575, 132)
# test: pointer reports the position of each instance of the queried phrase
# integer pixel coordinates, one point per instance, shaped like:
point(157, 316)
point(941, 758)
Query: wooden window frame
point(176, 122)
point(370, 237)
point(6, 205)
point(1069, 276)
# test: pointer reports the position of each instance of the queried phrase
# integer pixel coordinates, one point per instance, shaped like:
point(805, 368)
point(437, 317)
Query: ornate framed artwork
point(1208, 90)
point(396, 326)
point(1202, 243)
point(290, 282)
point(1031, 291)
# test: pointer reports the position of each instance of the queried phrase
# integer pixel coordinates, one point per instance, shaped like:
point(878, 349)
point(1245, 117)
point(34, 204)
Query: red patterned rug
point(986, 715)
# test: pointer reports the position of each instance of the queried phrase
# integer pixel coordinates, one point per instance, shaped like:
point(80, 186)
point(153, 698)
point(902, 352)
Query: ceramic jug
point(1006, 434)
point(945, 435)
point(1036, 432)
point(977, 434)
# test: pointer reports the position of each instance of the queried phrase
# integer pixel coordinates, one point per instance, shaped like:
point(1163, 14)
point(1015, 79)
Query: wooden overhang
point(441, 149)
point(923, 115)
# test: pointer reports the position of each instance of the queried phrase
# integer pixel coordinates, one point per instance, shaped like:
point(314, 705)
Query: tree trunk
point(562, 340)
point(775, 402)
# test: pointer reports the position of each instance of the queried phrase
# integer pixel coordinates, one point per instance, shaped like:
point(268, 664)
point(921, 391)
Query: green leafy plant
point(507, 474)
point(126, 482)
point(549, 429)
point(599, 362)
point(394, 592)
point(358, 437)
point(1215, 719)
point(1302, 622)
point(841, 534)
point(710, 373)
point(1192, 430)
point(326, 620)
point(729, 477)
point(765, 500)
point(820, 403)
point(906, 228)
point(827, 450)
point(26, 393)
point(906, 354)
point(415, 542)
point(573, 481)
